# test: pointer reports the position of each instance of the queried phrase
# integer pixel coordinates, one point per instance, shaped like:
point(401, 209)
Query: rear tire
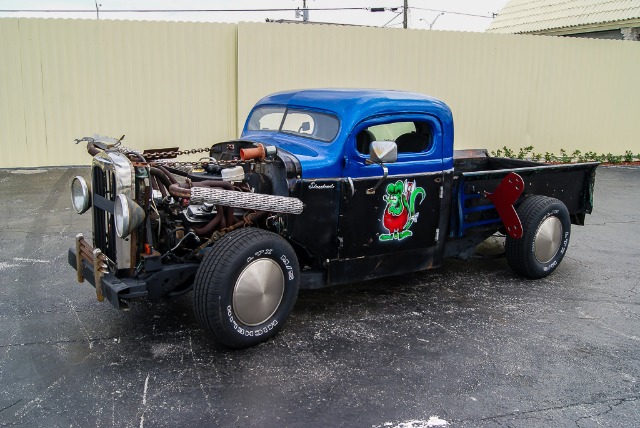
point(546, 229)
point(246, 287)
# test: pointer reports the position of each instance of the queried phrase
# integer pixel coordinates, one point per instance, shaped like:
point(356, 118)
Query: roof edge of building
point(574, 29)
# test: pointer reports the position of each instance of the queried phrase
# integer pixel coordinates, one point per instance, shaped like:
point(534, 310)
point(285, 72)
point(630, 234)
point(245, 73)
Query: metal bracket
point(503, 198)
point(97, 272)
point(79, 270)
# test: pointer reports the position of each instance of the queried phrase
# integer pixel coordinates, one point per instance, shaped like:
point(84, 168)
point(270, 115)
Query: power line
point(370, 9)
point(392, 19)
point(453, 13)
point(177, 10)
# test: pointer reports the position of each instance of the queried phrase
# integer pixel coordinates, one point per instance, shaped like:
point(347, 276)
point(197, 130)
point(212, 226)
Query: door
point(400, 213)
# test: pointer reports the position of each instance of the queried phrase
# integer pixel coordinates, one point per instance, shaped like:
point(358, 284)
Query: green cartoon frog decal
point(400, 212)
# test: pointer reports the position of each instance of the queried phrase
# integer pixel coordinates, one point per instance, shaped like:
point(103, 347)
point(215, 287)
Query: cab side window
point(410, 137)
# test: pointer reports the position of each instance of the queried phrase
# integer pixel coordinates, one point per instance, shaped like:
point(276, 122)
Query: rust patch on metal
point(95, 258)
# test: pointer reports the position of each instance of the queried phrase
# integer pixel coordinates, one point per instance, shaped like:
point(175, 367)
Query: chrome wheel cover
point(258, 292)
point(547, 240)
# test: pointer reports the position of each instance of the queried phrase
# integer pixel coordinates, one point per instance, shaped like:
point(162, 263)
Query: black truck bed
point(476, 173)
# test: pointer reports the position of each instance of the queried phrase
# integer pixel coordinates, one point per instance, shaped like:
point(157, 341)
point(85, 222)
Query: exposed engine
point(172, 211)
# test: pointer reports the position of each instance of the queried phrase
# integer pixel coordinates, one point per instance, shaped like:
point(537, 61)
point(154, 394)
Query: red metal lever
point(503, 198)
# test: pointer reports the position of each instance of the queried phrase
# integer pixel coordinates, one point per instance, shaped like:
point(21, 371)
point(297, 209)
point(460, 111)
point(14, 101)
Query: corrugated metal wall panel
point(162, 84)
point(13, 129)
point(165, 84)
point(517, 91)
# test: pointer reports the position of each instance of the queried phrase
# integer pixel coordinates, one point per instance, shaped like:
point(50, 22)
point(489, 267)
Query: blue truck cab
point(342, 150)
point(323, 187)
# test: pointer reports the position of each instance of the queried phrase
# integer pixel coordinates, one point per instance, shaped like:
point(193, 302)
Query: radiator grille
point(104, 231)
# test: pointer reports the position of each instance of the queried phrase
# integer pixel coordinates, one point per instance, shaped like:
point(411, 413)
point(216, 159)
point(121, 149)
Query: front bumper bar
point(107, 285)
point(154, 282)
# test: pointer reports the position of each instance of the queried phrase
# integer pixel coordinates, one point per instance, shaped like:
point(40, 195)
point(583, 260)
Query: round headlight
point(127, 215)
point(80, 197)
point(121, 215)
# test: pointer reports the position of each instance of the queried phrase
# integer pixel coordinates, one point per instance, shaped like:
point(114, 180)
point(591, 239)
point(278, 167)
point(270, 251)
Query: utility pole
point(304, 13)
point(406, 9)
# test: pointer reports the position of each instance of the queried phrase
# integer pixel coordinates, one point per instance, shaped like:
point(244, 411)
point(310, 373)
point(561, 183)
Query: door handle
point(353, 188)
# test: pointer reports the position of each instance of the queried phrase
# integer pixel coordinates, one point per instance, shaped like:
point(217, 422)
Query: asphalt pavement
point(466, 345)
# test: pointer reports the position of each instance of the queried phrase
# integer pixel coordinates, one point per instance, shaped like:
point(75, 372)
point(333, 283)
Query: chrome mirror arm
point(385, 173)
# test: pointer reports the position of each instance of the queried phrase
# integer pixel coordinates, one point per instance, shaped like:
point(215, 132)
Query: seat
point(364, 140)
point(412, 142)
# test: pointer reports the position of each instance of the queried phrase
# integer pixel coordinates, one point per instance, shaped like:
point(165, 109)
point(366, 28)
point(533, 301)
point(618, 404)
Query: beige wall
point(192, 84)
point(509, 90)
point(161, 84)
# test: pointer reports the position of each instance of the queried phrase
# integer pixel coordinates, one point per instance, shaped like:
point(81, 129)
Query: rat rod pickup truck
point(323, 187)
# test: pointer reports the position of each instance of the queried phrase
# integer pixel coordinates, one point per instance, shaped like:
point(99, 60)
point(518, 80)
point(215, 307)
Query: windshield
point(306, 123)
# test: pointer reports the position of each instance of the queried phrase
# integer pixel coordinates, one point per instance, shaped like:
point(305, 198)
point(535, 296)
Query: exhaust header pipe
point(246, 200)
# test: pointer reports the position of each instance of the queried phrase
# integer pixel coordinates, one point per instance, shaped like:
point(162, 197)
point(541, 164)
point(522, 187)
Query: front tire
point(546, 229)
point(246, 287)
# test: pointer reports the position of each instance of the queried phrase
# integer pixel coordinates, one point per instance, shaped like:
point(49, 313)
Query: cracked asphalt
point(467, 345)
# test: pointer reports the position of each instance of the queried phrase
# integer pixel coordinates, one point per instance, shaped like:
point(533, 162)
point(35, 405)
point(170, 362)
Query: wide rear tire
point(246, 287)
point(546, 229)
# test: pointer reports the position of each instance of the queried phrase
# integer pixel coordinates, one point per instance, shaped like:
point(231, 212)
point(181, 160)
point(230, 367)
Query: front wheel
point(546, 229)
point(246, 287)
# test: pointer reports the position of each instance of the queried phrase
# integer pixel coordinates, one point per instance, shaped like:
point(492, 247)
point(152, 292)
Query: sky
point(455, 15)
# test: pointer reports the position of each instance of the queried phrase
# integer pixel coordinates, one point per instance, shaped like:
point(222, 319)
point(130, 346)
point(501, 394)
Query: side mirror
point(305, 127)
point(383, 152)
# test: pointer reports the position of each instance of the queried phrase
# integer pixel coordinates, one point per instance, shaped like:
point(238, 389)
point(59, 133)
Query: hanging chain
point(164, 158)
point(164, 155)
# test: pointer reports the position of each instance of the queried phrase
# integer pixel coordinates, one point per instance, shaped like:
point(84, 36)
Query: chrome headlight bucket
point(80, 195)
point(127, 215)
